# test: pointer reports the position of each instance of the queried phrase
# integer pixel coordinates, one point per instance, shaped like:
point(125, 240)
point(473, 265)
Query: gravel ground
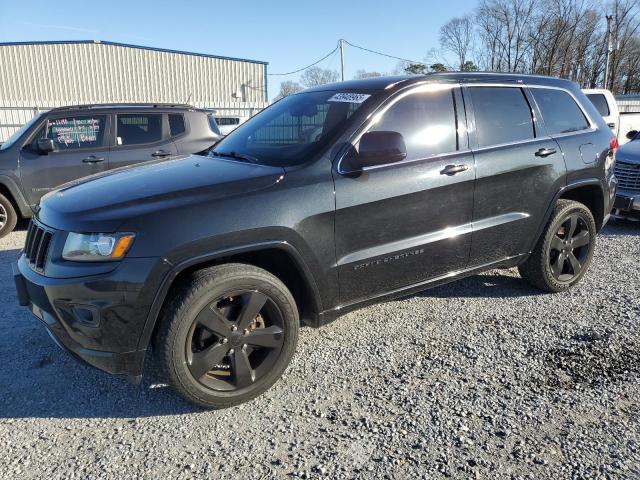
point(483, 378)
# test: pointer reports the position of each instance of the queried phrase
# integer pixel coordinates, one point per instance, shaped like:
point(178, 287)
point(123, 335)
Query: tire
point(561, 257)
point(8, 216)
point(214, 349)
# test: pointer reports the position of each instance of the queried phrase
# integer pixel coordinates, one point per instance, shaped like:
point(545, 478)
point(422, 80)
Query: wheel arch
point(589, 192)
point(10, 189)
point(279, 258)
point(591, 195)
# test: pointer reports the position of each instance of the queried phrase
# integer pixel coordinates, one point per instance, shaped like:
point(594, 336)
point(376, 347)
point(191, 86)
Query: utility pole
point(609, 50)
point(341, 43)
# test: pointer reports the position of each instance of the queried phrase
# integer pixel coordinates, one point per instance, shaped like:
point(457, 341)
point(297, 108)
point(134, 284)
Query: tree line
point(560, 38)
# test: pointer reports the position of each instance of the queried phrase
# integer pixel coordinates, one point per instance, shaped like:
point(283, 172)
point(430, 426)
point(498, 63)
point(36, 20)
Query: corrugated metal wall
point(44, 75)
point(102, 72)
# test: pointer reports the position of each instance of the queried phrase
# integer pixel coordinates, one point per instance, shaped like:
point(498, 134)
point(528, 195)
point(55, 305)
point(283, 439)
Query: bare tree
point(563, 38)
point(362, 73)
point(456, 36)
point(288, 88)
point(504, 29)
point(315, 76)
point(626, 25)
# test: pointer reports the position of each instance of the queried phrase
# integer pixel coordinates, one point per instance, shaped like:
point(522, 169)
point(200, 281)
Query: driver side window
point(72, 133)
point(426, 121)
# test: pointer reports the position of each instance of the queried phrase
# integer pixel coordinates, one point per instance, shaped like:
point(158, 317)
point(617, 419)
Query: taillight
point(611, 157)
point(613, 145)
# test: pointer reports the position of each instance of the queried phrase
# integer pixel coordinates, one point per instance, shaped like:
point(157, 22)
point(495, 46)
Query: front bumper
point(626, 204)
point(99, 319)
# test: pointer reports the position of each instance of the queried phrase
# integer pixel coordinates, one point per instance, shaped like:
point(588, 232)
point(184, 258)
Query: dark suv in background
point(68, 143)
point(627, 170)
point(405, 183)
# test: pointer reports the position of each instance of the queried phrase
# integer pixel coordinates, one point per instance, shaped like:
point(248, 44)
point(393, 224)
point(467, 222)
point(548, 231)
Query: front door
point(80, 150)
point(140, 137)
point(405, 223)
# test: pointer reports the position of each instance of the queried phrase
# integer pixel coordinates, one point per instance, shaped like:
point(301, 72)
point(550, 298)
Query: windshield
point(293, 129)
point(13, 138)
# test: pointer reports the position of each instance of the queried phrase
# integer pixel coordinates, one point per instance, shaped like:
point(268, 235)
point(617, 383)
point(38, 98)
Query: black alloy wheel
point(569, 248)
point(235, 340)
point(564, 251)
point(8, 216)
point(227, 335)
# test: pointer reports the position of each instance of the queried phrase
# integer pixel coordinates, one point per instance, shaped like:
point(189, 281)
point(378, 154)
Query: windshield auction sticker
point(349, 97)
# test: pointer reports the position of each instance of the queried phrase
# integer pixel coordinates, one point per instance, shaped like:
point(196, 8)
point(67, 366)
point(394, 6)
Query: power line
point(308, 66)
point(380, 53)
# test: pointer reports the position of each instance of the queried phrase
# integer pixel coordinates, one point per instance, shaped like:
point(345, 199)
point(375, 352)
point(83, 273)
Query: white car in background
point(620, 123)
point(228, 123)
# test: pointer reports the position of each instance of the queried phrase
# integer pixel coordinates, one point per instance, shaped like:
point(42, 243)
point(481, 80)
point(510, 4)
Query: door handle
point(453, 169)
point(93, 159)
point(545, 152)
point(611, 125)
point(160, 153)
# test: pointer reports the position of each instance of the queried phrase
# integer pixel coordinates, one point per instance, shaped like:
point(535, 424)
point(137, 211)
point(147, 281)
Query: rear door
point(519, 168)
point(405, 223)
point(140, 137)
point(80, 149)
point(566, 122)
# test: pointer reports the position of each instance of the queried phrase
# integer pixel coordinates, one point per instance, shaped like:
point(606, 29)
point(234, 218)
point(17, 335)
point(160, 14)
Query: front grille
point(628, 175)
point(36, 247)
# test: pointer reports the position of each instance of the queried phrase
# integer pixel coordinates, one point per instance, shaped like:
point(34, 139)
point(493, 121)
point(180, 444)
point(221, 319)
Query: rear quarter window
point(600, 102)
point(560, 112)
point(176, 124)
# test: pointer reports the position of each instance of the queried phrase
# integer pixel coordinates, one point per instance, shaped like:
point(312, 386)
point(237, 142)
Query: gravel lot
point(483, 378)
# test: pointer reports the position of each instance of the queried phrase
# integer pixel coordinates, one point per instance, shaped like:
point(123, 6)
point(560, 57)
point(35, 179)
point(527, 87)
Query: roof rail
point(112, 105)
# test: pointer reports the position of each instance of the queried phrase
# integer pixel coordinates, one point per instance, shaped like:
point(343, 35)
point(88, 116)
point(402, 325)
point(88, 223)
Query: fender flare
point(568, 187)
point(177, 269)
point(21, 204)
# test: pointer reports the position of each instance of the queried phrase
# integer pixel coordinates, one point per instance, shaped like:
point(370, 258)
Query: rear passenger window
point(600, 102)
point(72, 133)
point(559, 110)
point(502, 114)
point(176, 124)
point(139, 128)
point(426, 120)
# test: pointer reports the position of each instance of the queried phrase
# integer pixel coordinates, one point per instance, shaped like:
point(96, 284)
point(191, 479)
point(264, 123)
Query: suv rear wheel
point(228, 335)
point(8, 216)
point(565, 249)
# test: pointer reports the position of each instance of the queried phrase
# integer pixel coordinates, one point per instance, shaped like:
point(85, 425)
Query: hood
point(104, 201)
point(629, 152)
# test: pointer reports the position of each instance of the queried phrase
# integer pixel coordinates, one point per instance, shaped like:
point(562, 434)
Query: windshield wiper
point(237, 156)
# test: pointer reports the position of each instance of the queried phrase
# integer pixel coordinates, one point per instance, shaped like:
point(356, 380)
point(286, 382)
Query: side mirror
point(632, 134)
point(379, 148)
point(45, 145)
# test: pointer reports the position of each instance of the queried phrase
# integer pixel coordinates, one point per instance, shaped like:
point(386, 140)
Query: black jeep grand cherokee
point(330, 199)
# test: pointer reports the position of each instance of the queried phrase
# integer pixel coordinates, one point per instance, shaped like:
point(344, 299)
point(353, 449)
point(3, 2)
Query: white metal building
point(41, 75)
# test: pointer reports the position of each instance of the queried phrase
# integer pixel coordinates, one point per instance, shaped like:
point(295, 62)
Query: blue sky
point(285, 33)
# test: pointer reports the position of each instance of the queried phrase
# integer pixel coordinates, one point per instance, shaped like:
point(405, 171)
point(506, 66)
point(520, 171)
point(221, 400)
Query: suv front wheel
point(228, 335)
point(564, 251)
point(8, 216)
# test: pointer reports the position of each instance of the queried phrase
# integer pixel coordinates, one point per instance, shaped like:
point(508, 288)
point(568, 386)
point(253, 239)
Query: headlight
point(97, 247)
